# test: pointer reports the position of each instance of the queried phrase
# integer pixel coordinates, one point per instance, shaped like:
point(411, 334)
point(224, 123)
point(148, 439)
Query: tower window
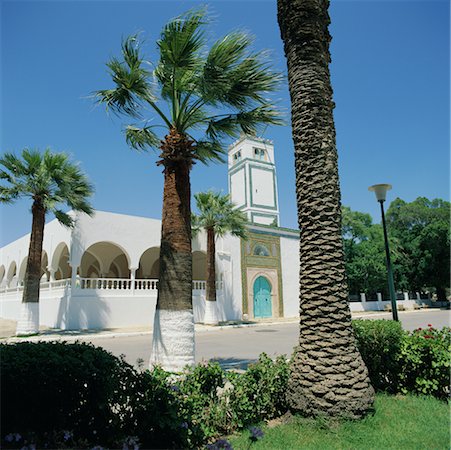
point(237, 156)
point(261, 250)
point(259, 153)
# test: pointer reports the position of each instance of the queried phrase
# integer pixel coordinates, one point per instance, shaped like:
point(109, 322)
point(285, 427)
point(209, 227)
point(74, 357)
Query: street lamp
point(381, 194)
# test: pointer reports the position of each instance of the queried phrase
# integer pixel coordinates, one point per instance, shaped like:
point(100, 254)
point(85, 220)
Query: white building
point(103, 273)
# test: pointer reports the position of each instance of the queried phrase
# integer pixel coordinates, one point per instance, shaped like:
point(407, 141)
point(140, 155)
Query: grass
point(399, 422)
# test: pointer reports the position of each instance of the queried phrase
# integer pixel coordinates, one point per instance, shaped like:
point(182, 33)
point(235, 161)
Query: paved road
point(235, 347)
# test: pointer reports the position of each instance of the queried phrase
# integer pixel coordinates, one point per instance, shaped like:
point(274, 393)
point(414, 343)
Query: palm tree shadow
point(234, 363)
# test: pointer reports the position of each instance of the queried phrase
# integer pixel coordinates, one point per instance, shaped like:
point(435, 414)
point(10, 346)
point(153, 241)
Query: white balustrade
point(146, 285)
point(199, 285)
point(105, 283)
point(110, 284)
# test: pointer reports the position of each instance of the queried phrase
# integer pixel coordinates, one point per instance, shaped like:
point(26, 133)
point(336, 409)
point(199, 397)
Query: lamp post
point(381, 194)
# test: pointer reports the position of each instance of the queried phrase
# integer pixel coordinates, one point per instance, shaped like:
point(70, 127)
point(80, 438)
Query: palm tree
point(217, 216)
point(328, 376)
point(50, 180)
point(206, 96)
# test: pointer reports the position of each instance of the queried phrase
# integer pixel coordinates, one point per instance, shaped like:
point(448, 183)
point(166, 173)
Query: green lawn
point(399, 422)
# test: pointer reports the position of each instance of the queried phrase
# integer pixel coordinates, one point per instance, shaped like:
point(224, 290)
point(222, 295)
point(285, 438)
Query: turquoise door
point(262, 298)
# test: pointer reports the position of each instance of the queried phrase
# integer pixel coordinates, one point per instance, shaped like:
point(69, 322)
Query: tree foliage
point(47, 178)
point(423, 230)
point(419, 246)
point(218, 213)
point(365, 253)
point(203, 93)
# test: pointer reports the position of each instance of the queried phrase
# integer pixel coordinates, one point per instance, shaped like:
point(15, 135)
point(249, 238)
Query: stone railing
point(116, 284)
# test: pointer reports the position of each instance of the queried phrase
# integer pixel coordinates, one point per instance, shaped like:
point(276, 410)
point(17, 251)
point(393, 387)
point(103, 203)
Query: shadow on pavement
point(233, 363)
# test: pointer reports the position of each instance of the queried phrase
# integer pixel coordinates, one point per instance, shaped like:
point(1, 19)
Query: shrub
point(425, 359)
point(156, 415)
point(52, 386)
point(60, 395)
point(199, 390)
point(379, 343)
point(218, 402)
point(259, 393)
point(399, 361)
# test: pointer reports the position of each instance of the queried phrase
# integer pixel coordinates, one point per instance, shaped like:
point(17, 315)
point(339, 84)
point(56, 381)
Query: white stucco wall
point(289, 253)
point(229, 262)
point(262, 186)
point(238, 187)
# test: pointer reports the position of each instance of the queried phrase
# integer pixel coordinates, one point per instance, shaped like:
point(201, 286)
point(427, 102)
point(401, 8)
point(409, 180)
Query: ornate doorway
point(262, 298)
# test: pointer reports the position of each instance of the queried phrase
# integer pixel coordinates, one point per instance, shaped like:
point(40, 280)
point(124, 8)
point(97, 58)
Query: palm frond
point(248, 122)
point(10, 194)
point(249, 81)
point(234, 76)
point(195, 225)
point(251, 121)
point(208, 151)
point(218, 212)
point(192, 118)
point(130, 51)
point(13, 164)
point(224, 127)
point(180, 45)
point(64, 218)
point(214, 82)
point(131, 79)
point(181, 40)
point(141, 138)
point(47, 175)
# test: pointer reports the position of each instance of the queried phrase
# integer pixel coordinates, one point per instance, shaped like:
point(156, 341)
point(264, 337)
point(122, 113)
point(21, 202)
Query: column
point(52, 277)
point(132, 278)
point(74, 279)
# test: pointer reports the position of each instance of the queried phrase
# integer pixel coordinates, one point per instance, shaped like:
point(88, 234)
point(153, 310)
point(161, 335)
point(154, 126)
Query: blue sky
point(390, 75)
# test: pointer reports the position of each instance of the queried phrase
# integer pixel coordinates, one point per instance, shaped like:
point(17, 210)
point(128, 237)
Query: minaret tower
point(252, 179)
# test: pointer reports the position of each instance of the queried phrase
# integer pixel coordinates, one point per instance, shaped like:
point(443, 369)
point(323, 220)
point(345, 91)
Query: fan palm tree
point(50, 180)
point(328, 376)
point(204, 96)
point(217, 216)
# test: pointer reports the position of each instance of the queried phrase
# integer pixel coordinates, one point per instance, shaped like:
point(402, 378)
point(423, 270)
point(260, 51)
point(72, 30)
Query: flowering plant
point(425, 362)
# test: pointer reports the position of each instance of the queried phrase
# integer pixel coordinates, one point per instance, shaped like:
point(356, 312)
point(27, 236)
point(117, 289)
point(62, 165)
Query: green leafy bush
point(53, 386)
point(400, 361)
point(218, 402)
point(60, 395)
point(156, 414)
point(379, 343)
point(425, 358)
point(199, 389)
point(259, 393)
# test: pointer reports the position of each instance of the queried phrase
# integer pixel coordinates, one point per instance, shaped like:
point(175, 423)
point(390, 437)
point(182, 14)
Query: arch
point(262, 290)
point(11, 270)
point(60, 262)
point(149, 264)
point(260, 250)
point(2, 274)
point(199, 265)
point(97, 261)
point(44, 264)
point(119, 267)
point(22, 270)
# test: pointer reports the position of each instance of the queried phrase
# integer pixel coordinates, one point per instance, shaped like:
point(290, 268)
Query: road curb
point(199, 328)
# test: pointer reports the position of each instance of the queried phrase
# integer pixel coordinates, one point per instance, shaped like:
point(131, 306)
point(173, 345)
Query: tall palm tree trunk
point(28, 322)
point(173, 332)
point(328, 376)
point(211, 314)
